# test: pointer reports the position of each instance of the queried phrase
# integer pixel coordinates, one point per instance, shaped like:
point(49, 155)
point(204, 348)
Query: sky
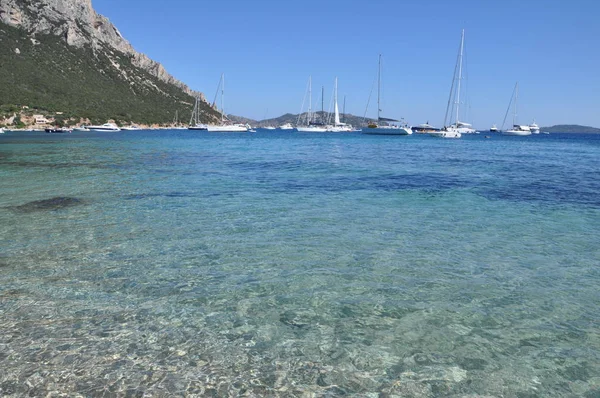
point(267, 49)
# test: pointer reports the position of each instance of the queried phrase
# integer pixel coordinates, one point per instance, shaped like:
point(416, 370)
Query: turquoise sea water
point(178, 263)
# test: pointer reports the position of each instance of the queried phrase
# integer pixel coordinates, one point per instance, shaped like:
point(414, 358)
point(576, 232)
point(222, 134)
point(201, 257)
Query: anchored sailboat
point(385, 126)
point(195, 119)
point(311, 125)
point(458, 128)
point(517, 129)
point(338, 126)
point(226, 126)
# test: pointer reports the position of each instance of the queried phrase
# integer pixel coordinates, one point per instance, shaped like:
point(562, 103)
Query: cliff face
point(80, 26)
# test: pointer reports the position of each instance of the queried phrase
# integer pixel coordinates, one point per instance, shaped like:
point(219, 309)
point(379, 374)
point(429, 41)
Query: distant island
point(571, 128)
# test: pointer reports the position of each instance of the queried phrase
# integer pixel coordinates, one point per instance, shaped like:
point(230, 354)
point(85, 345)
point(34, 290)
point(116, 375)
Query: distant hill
point(355, 121)
point(571, 128)
point(62, 60)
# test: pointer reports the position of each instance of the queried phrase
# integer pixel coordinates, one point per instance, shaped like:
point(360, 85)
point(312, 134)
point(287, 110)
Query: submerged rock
point(56, 203)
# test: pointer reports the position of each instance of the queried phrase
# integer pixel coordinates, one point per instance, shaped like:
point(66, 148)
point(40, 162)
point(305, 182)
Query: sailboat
point(385, 126)
point(517, 129)
point(458, 128)
point(338, 126)
point(310, 124)
point(268, 126)
point(195, 119)
point(176, 125)
point(226, 126)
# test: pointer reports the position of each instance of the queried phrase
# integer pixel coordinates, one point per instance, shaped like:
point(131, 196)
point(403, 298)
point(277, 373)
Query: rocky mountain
point(53, 49)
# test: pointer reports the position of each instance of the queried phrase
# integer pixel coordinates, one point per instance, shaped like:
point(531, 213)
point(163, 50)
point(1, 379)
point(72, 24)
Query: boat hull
point(387, 130)
point(445, 134)
point(198, 127)
point(103, 129)
point(312, 129)
point(516, 132)
point(227, 129)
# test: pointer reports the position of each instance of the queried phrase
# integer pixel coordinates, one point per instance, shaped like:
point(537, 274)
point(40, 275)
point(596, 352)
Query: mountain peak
point(80, 26)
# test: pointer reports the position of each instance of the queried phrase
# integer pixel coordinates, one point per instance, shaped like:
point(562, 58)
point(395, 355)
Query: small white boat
point(286, 126)
point(81, 129)
point(268, 128)
point(535, 129)
point(104, 127)
point(493, 129)
point(133, 127)
point(446, 132)
point(1, 130)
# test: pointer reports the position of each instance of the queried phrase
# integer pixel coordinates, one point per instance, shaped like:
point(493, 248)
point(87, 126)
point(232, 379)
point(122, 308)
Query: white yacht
point(104, 127)
point(535, 129)
point(517, 129)
point(133, 127)
point(81, 129)
point(286, 126)
point(493, 129)
point(385, 126)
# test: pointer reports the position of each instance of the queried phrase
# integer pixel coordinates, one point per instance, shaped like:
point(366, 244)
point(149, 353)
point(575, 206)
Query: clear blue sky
point(268, 48)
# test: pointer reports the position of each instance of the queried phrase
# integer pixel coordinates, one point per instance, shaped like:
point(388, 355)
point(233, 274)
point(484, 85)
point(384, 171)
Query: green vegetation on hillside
point(571, 128)
point(48, 76)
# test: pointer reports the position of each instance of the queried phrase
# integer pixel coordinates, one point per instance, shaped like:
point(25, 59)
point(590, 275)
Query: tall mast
point(344, 110)
point(323, 104)
point(516, 100)
point(222, 97)
point(462, 42)
point(336, 108)
point(309, 100)
point(378, 87)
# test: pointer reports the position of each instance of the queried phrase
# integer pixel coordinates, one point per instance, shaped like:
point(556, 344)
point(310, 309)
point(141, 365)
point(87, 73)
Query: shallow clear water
point(288, 264)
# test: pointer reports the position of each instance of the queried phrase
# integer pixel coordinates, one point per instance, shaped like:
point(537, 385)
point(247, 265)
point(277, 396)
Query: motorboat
point(424, 128)
point(535, 129)
point(56, 130)
point(104, 127)
point(518, 130)
point(286, 126)
point(133, 127)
